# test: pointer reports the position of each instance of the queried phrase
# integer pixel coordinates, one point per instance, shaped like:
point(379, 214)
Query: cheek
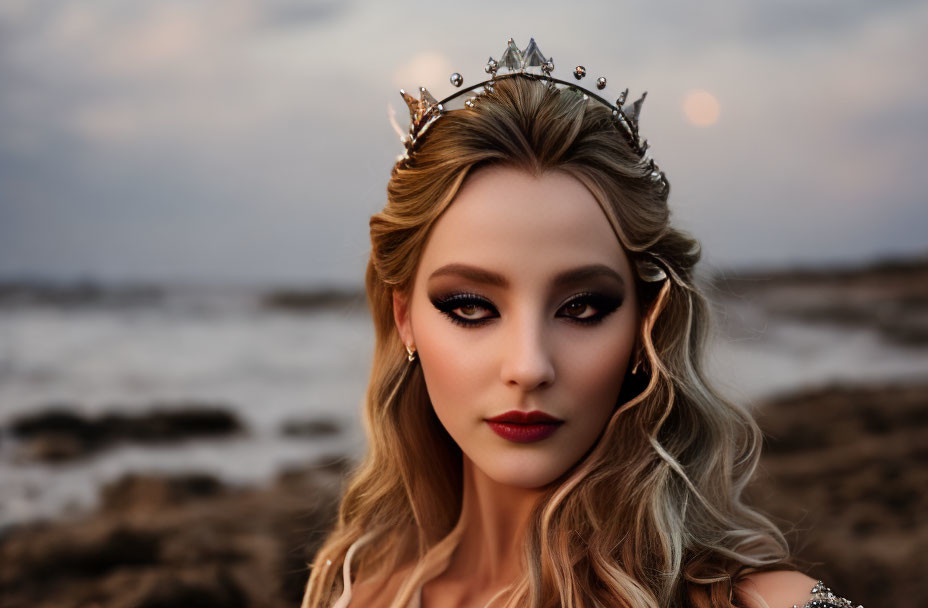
point(453, 365)
point(593, 370)
point(604, 360)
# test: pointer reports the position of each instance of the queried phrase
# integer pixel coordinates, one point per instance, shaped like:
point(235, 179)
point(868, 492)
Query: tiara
point(424, 111)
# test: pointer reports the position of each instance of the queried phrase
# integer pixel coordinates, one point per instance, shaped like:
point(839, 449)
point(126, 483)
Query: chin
point(526, 475)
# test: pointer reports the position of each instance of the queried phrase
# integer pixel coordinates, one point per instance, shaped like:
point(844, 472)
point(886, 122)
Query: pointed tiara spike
point(426, 110)
point(512, 57)
point(531, 56)
point(637, 105)
point(633, 110)
point(411, 102)
point(426, 97)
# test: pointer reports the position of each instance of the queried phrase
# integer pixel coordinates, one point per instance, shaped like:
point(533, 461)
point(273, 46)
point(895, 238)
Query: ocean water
point(272, 366)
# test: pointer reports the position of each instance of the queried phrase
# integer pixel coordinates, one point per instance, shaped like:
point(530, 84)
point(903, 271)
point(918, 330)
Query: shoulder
point(379, 590)
point(778, 588)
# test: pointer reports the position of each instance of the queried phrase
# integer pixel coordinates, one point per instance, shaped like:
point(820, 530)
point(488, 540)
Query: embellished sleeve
point(823, 597)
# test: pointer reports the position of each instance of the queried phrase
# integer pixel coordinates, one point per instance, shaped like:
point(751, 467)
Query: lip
point(523, 427)
point(518, 417)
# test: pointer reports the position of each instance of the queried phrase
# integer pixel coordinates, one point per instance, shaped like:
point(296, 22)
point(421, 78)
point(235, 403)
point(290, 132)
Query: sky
point(249, 141)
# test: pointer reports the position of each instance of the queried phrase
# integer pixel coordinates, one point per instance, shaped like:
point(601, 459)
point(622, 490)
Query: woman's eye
point(467, 310)
point(590, 308)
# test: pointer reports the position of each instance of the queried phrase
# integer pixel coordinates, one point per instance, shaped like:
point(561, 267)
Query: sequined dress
point(822, 596)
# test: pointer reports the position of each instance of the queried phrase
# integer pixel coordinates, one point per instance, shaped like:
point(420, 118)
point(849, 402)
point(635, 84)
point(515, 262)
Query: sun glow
point(701, 108)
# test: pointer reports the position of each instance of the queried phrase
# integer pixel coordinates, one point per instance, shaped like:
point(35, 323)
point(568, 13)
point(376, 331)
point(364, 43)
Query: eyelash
point(604, 304)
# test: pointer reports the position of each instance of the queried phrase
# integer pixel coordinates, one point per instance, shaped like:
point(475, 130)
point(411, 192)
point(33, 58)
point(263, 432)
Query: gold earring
point(637, 363)
point(410, 353)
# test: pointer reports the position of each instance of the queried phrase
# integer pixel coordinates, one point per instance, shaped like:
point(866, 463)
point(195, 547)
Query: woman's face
point(523, 300)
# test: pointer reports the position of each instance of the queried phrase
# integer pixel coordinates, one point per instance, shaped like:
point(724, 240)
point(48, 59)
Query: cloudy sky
point(249, 141)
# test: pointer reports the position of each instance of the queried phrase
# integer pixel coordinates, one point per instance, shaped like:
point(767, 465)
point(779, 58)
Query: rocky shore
point(889, 296)
point(159, 542)
point(843, 471)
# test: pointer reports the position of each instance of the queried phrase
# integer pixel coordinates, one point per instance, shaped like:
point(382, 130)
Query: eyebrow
point(572, 275)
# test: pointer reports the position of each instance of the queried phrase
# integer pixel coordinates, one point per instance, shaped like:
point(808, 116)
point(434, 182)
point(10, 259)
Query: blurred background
point(184, 196)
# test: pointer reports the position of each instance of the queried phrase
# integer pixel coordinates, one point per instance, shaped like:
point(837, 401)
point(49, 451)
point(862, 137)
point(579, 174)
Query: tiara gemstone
point(512, 57)
point(532, 56)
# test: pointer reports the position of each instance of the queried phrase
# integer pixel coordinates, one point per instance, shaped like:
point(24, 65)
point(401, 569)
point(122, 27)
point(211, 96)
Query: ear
point(401, 317)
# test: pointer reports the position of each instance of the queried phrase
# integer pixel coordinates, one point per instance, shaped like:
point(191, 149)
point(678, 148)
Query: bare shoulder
point(778, 588)
point(379, 591)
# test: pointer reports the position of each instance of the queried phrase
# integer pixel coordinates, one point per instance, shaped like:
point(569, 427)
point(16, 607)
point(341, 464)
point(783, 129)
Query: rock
point(311, 300)
point(310, 428)
point(212, 589)
point(59, 434)
point(141, 491)
point(52, 448)
point(74, 294)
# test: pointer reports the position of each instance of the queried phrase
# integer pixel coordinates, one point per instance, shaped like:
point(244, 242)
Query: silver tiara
point(423, 112)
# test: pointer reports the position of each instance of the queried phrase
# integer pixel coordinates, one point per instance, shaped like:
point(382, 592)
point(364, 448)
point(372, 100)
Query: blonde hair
point(653, 515)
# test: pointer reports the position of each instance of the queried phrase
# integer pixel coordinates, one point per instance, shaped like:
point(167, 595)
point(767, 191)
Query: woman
point(541, 430)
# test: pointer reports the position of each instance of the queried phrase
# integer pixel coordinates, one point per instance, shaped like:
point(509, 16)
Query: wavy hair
point(654, 514)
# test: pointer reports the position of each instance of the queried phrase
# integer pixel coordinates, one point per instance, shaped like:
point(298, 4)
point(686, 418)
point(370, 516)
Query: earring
point(410, 353)
point(637, 363)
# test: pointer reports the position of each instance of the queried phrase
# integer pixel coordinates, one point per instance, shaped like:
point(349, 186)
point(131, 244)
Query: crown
point(424, 111)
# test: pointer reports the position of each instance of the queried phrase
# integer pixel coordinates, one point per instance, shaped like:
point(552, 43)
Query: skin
point(530, 353)
point(775, 589)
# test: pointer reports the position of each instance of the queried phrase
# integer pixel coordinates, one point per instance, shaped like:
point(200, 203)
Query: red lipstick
point(524, 427)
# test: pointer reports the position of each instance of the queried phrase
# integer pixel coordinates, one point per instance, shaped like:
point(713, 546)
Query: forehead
point(523, 226)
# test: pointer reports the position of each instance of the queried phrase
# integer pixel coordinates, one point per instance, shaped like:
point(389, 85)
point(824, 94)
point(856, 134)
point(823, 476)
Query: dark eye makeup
point(575, 310)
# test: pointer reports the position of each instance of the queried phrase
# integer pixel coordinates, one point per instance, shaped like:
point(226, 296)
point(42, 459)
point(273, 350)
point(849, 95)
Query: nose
point(527, 360)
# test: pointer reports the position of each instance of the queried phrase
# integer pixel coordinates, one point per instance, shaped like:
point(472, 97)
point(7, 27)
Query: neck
point(490, 550)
